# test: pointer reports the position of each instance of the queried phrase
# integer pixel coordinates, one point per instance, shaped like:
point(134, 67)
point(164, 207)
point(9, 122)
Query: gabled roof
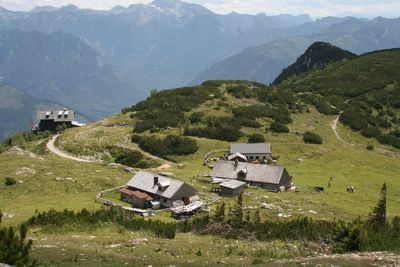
point(262, 173)
point(260, 148)
point(57, 115)
point(237, 155)
point(233, 184)
point(144, 181)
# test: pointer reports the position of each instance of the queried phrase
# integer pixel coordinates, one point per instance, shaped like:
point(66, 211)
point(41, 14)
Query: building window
point(251, 157)
point(257, 157)
point(264, 157)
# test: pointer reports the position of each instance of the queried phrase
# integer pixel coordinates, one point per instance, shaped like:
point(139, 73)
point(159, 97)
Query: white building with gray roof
point(271, 177)
point(260, 151)
point(160, 188)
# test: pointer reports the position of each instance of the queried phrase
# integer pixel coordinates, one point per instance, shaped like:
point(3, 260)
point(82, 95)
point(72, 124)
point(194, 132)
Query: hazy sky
point(316, 8)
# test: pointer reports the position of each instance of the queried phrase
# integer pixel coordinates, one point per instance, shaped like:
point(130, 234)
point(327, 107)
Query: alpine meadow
point(167, 134)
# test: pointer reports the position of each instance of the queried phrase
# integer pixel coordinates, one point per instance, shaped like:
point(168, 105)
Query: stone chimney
point(236, 162)
point(155, 179)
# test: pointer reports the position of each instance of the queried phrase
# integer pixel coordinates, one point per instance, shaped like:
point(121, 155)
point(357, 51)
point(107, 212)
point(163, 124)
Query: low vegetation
point(170, 145)
point(14, 248)
point(85, 219)
point(131, 158)
point(8, 181)
point(312, 138)
point(373, 234)
point(256, 138)
point(368, 104)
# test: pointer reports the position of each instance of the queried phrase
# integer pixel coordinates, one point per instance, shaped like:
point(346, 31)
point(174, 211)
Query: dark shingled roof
point(251, 148)
point(262, 173)
point(144, 181)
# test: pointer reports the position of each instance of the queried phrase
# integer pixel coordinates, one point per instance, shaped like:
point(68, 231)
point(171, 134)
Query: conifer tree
point(237, 213)
point(378, 215)
point(220, 213)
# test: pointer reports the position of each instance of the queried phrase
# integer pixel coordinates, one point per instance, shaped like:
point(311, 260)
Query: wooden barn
point(146, 187)
point(270, 177)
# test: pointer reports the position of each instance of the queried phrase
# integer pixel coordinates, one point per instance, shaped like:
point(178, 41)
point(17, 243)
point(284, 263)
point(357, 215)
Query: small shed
point(136, 198)
point(232, 188)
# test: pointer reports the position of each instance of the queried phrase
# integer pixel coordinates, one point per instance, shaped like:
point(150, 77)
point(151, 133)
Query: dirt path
point(52, 148)
point(334, 128)
point(375, 258)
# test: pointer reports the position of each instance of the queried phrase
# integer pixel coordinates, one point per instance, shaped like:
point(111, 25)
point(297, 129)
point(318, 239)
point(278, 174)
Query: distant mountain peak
point(44, 9)
point(179, 7)
point(317, 55)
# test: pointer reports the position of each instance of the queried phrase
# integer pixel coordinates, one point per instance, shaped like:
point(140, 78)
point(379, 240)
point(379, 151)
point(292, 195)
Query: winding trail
point(334, 128)
point(52, 148)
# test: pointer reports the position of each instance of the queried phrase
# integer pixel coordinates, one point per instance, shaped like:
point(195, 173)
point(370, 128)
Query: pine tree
point(257, 217)
point(378, 215)
point(13, 248)
point(237, 213)
point(219, 215)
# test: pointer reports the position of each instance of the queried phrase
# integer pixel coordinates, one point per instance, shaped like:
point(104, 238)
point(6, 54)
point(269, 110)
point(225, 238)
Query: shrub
point(278, 127)
point(178, 145)
point(170, 145)
point(326, 109)
point(88, 218)
point(14, 249)
point(131, 158)
point(246, 122)
point(196, 117)
point(220, 128)
point(8, 181)
point(312, 138)
point(240, 91)
point(370, 147)
point(370, 132)
point(256, 138)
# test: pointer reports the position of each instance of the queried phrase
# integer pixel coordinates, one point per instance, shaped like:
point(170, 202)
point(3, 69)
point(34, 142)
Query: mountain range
point(265, 62)
point(98, 61)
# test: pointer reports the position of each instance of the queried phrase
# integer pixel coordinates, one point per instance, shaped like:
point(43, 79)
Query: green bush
point(8, 181)
point(370, 147)
point(14, 249)
point(196, 117)
point(220, 128)
point(170, 145)
point(312, 138)
point(83, 219)
point(131, 158)
point(256, 138)
point(278, 127)
point(240, 91)
point(166, 108)
point(370, 132)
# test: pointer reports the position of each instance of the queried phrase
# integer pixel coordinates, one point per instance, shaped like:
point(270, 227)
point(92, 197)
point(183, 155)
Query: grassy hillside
point(213, 115)
point(310, 165)
point(318, 55)
point(365, 91)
